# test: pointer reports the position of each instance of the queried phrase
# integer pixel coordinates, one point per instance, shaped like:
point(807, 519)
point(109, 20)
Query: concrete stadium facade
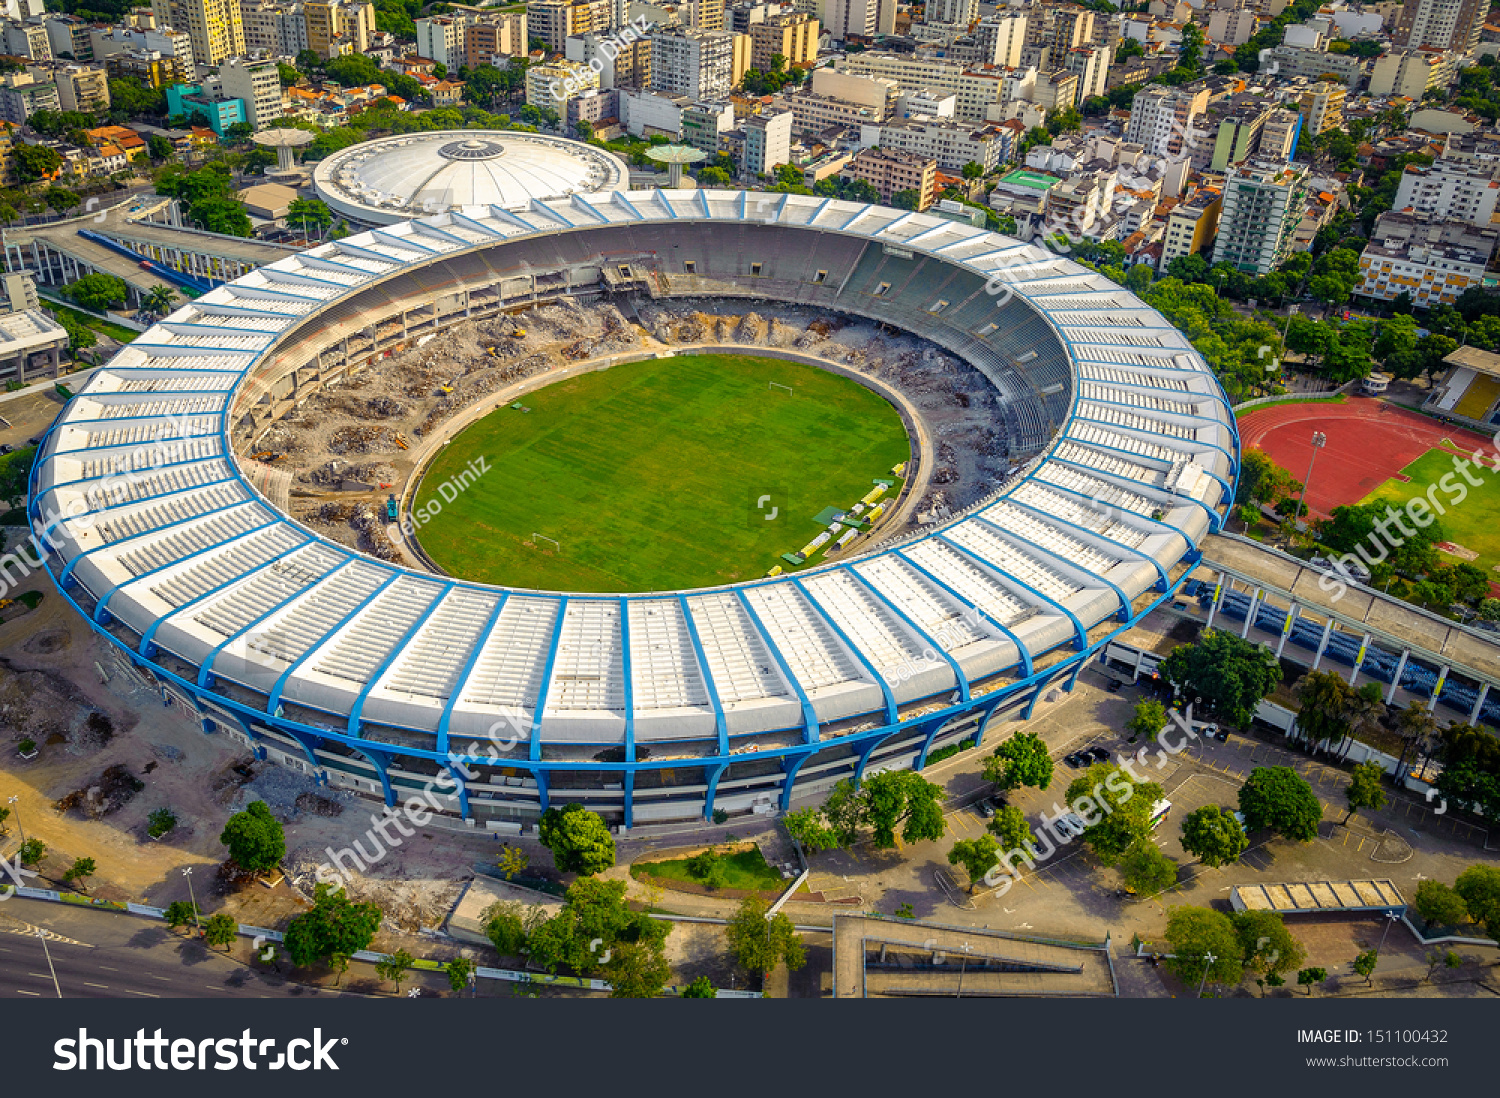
point(647, 708)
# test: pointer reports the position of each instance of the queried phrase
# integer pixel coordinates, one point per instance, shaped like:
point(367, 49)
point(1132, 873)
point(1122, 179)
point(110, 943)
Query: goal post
point(779, 385)
point(543, 537)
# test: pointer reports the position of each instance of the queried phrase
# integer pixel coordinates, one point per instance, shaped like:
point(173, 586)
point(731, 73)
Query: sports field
point(1472, 524)
point(650, 475)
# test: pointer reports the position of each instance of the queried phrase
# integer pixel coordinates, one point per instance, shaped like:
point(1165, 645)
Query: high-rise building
point(1322, 107)
point(28, 40)
point(69, 34)
point(549, 86)
point(702, 123)
point(708, 15)
point(1451, 189)
point(794, 36)
point(864, 18)
point(1232, 26)
point(619, 64)
point(215, 27)
point(1091, 66)
point(553, 21)
point(694, 63)
point(1429, 259)
point(440, 39)
point(1441, 24)
point(500, 35)
point(1264, 201)
point(958, 13)
point(336, 28)
point(1412, 72)
point(258, 84)
point(1160, 118)
point(1191, 225)
point(1001, 39)
point(82, 87)
point(1279, 136)
point(768, 143)
point(274, 27)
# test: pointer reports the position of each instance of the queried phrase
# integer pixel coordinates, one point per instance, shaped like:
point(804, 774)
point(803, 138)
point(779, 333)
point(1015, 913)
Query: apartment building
point(215, 27)
point(864, 18)
point(1440, 24)
point(1322, 107)
point(768, 143)
point(441, 38)
point(1413, 72)
point(28, 40)
point(959, 13)
point(694, 63)
point(1279, 136)
point(1091, 66)
point(951, 144)
point(1191, 225)
point(553, 21)
point(1001, 38)
point(891, 171)
point(22, 95)
point(337, 28)
point(704, 123)
point(258, 84)
point(551, 84)
point(1160, 118)
point(1431, 259)
point(1290, 62)
point(1236, 125)
point(503, 34)
point(1263, 204)
point(82, 87)
point(1451, 190)
point(619, 65)
point(793, 36)
point(1232, 27)
point(151, 68)
point(815, 113)
point(275, 28)
point(69, 34)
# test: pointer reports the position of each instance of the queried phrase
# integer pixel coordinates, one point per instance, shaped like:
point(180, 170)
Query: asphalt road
point(106, 955)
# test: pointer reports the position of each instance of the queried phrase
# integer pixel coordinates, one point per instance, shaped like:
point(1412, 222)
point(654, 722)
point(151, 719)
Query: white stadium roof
point(397, 178)
point(178, 554)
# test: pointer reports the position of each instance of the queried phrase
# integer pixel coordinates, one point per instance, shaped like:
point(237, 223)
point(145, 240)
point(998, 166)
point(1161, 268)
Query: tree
point(906, 200)
point(1262, 480)
point(1115, 810)
point(1311, 976)
point(1213, 836)
point(707, 868)
point(713, 177)
point(505, 925)
point(579, 840)
point(60, 200)
point(220, 930)
point(461, 972)
point(80, 870)
point(99, 292)
point(971, 170)
point(1147, 871)
point(1365, 788)
point(1010, 828)
point(583, 935)
point(1323, 717)
point(1440, 905)
point(158, 301)
point(309, 213)
point(32, 852)
point(760, 943)
point(1279, 798)
point(1021, 760)
point(394, 967)
point(288, 74)
point(977, 856)
point(811, 831)
point(1267, 946)
point(34, 162)
point(701, 988)
point(1364, 965)
point(254, 837)
point(181, 913)
point(1479, 885)
point(636, 970)
point(1223, 674)
point(513, 860)
point(1197, 933)
point(905, 799)
point(1149, 719)
point(336, 924)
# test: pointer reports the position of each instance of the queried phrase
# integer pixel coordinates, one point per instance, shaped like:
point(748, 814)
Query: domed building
point(418, 175)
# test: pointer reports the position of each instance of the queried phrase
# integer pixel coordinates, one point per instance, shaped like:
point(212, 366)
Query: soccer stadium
point(384, 679)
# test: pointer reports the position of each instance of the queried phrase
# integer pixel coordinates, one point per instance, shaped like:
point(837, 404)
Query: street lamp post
point(42, 934)
point(1319, 440)
point(1390, 921)
point(963, 964)
point(187, 871)
point(15, 801)
point(1208, 963)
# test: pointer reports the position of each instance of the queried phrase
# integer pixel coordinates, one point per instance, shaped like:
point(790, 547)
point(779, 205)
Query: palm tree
point(1417, 728)
point(159, 301)
point(1362, 712)
point(1325, 698)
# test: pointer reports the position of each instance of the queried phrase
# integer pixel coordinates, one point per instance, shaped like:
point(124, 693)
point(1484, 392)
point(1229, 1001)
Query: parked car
point(1078, 760)
point(1070, 826)
point(1097, 753)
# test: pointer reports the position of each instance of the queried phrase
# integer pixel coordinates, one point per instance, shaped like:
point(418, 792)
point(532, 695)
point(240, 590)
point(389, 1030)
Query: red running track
point(1369, 442)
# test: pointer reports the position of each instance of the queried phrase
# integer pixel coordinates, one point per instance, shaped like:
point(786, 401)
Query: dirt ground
point(351, 445)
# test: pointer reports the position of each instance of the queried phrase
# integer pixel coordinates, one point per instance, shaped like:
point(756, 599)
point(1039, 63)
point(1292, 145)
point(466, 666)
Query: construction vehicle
point(392, 512)
point(519, 333)
point(267, 456)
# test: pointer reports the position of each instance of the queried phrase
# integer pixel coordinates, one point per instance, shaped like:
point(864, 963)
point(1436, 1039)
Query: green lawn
point(1471, 524)
point(744, 869)
point(118, 332)
point(649, 475)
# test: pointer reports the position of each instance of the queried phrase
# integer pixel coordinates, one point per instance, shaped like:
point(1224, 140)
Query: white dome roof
point(415, 175)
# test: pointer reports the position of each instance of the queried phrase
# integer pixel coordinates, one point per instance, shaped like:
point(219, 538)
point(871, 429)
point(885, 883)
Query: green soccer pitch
point(1470, 524)
point(648, 476)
